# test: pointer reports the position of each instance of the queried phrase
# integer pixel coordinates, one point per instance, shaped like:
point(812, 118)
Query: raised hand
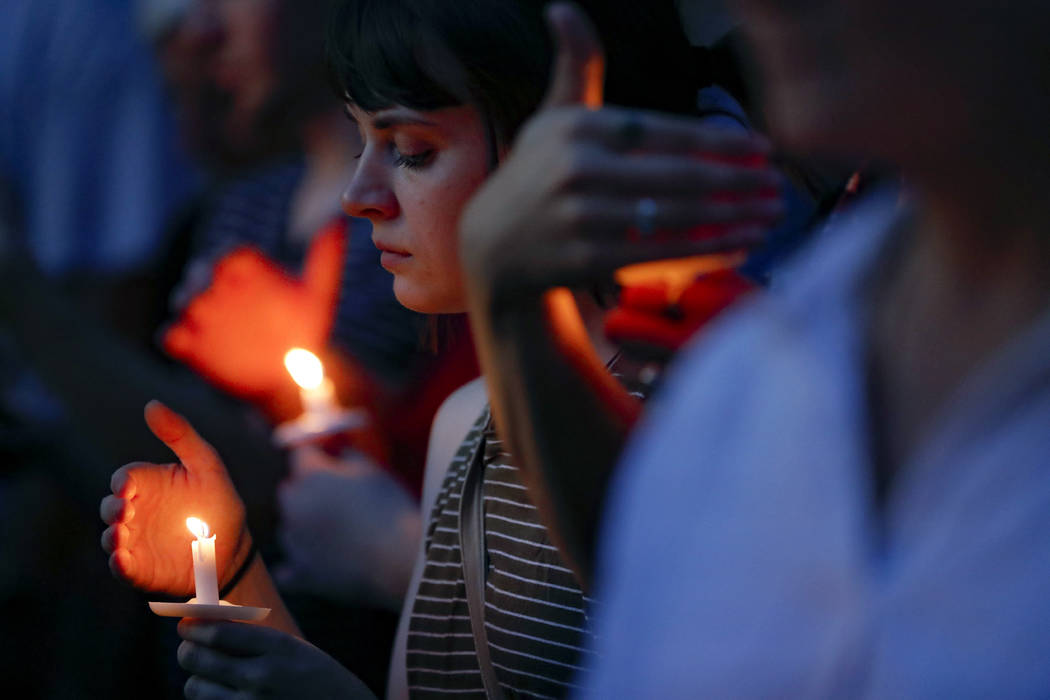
point(147, 539)
point(587, 190)
point(237, 331)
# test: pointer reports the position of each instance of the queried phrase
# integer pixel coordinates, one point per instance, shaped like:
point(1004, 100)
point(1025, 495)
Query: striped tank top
point(536, 615)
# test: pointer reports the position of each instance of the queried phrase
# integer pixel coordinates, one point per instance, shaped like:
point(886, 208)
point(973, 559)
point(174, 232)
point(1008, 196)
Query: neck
point(977, 244)
point(969, 280)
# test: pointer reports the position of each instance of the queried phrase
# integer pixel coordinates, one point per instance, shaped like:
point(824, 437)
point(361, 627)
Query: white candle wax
point(318, 401)
point(204, 576)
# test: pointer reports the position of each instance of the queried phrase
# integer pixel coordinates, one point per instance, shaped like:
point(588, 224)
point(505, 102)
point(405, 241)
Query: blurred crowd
point(674, 349)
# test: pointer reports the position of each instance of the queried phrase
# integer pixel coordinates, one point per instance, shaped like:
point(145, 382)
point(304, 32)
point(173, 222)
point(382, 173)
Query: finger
point(579, 63)
point(236, 638)
point(198, 688)
point(177, 340)
point(582, 261)
point(611, 257)
point(122, 483)
point(611, 217)
point(204, 311)
point(114, 509)
point(673, 134)
point(656, 174)
point(122, 564)
point(114, 537)
point(176, 432)
point(235, 672)
point(323, 269)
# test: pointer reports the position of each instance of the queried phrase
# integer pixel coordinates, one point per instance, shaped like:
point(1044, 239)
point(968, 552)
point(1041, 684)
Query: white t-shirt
point(743, 556)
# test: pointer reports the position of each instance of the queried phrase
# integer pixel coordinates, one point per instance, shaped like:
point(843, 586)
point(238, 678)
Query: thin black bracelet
point(232, 583)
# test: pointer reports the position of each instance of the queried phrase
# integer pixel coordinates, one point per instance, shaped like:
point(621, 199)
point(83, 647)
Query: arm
point(146, 539)
point(559, 212)
point(537, 356)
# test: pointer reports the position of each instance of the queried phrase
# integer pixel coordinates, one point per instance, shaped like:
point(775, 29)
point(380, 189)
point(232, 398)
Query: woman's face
point(416, 172)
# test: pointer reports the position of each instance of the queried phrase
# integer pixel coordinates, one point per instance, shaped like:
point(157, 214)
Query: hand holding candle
point(147, 511)
point(315, 390)
point(322, 415)
point(237, 330)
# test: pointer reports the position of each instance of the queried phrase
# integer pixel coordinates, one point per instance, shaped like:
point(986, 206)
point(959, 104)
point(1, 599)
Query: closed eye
point(415, 160)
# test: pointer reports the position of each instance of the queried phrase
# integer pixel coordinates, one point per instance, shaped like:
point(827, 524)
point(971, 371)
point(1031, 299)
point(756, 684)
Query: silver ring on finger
point(645, 216)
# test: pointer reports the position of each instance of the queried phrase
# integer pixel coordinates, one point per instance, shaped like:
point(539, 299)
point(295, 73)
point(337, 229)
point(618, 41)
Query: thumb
point(578, 75)
point(323, 270)
point(177, 433)
point(177, 340)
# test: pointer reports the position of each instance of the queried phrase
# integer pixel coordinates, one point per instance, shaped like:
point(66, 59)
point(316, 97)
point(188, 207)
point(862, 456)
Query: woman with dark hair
point(439, 92)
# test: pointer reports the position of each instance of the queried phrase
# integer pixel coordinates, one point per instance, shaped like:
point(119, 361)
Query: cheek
point(435, 217)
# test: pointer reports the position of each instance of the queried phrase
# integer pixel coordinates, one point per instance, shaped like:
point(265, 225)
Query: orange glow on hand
point(237, 332)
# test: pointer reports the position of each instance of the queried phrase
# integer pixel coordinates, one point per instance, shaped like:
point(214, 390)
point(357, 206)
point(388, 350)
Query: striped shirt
point(537, 618)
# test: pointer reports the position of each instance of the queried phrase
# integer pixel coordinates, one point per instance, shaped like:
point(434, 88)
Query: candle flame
point(198, 527)
point(305, 368)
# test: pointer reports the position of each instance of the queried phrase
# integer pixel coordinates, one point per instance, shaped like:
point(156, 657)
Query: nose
point(369, 195)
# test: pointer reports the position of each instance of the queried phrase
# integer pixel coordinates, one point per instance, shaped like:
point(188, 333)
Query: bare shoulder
point(451, 424)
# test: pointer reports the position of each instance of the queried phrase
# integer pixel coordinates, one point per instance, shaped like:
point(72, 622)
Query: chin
point(425, 300)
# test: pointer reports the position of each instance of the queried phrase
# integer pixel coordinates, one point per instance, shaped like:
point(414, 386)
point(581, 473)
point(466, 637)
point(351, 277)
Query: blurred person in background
point(248, 75)
point(845, 492)
point(90, 171)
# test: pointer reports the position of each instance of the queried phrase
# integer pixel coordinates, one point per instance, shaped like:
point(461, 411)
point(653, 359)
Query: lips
point(385, 247)
point(392, 257)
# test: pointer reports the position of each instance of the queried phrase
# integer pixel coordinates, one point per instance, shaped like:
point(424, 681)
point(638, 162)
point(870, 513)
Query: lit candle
point(204, 577)
point(316, 391)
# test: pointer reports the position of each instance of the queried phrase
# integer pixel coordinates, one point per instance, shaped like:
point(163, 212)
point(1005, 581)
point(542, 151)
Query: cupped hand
point(147, 538)
point(564, 207)
point(231, 660)
point(237, 331)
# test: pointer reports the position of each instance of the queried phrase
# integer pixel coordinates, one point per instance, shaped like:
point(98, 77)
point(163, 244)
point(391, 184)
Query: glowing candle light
point(315, 390)
point(204, 576)
point(322, 416)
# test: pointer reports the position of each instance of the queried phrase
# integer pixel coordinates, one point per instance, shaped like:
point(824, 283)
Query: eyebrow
point(391, 120)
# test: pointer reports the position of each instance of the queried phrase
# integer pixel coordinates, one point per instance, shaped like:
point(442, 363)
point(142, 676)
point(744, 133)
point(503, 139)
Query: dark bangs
point(430, 54)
